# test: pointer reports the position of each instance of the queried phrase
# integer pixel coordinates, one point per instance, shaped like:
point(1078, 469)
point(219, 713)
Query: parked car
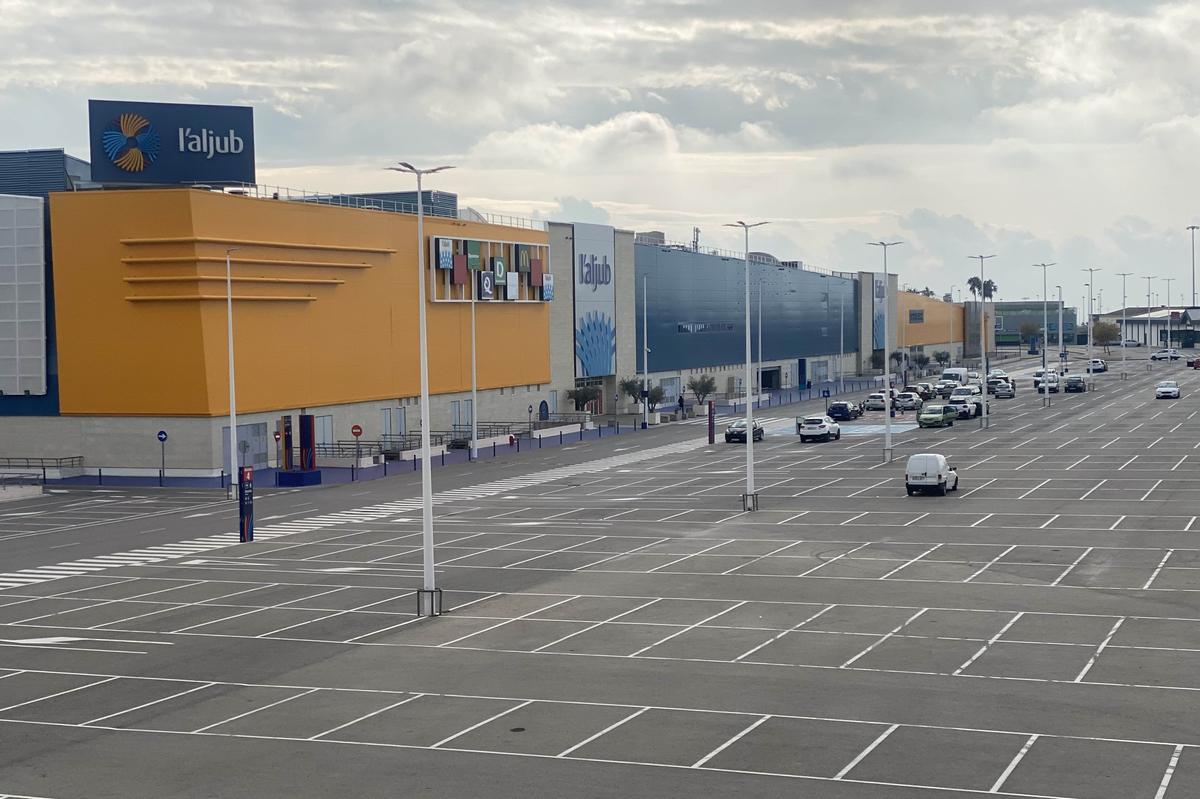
point(1042, 375)
point(924, 394)
point(1097, 365)
point(1165, 355)
point(929, 472)
point(1047, 382)
point(908, 401)
point(1004, 389)
point(1167, 389)
point(821, 427)
point(1074, 384)
point(937, 416)
point(875, 402)
point(1130, 343)
point(944, 387)
point(992, 382)
point(844, 411)
point(737, 431)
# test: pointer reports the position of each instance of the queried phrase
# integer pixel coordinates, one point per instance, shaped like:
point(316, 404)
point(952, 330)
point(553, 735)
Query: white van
point(956, 374)
point(929, 471)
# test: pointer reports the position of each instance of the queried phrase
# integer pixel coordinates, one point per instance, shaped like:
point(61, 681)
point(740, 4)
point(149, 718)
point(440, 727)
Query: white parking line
point(602, 732)
point(730, 742)
point(1099, 650)
point(1159, 568)
point(1166, 780)
point(1004, 775)
point(862, 755)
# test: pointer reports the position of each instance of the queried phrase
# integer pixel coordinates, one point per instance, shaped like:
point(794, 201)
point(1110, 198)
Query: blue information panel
point(169, 143)
point(245, 504)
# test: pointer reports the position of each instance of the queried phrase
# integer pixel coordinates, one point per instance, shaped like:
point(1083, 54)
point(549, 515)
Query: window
point(916, 317)
point(323, 429)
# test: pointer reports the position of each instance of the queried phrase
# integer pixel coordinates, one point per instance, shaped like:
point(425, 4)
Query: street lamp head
point(231, 249)
point(1193, 227)
point(884, 243)
point(745, 225)
point(404, 166)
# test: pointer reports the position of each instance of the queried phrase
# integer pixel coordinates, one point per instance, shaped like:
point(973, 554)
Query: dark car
point(924, 394)
point(844, 411)
point(1075, 383)
point(737, 431)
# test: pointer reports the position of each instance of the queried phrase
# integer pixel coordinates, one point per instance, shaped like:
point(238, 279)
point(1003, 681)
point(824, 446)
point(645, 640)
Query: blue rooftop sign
point(169, 143)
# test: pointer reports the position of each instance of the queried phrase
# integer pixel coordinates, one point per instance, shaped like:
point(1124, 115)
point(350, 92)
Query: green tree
point(654, 397)
point(989, 288)
point(583, 395)
point(701, 387)
point(877, 359)
point(921, 360)
point(1027, 330)
point(898, 357)
point(942, 357)
point(1105, 334)
point(631, 387)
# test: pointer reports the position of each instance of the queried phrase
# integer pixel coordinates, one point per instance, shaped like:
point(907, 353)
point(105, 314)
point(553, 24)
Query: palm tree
point(988, 287)
point(973, 286)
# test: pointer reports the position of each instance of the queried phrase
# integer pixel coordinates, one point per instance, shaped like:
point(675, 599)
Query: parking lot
point(616, 625)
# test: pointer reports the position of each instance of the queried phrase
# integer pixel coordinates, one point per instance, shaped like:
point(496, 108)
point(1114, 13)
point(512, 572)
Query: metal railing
point(264, 191)
point(19, 479)
point(69, 462)
point(343, 449)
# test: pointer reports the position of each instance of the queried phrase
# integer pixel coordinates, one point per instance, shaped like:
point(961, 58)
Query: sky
point(1059, 131)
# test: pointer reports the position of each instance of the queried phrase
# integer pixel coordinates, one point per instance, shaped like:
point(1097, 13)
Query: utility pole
point(1193, 229)
point(1168, 282)
point(1124, 334)
point(750, 498)
point(1091, 270)
point(1147, 317)
point(887, 357)
point(983, 420)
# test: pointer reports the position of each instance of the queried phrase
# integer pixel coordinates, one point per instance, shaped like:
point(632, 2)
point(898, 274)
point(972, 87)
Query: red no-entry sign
point(356, 430)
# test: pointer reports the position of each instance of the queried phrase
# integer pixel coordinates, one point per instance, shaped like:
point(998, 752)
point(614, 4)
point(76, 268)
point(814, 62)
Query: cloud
point(573, 209)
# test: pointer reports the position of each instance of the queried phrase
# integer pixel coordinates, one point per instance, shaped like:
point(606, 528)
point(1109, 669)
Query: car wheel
point(942, 489)
point(955, 483)
point(838, 437)
point(803, 440)
point(909, 490)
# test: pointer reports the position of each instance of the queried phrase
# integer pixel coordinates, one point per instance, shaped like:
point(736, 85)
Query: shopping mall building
point(113, 321)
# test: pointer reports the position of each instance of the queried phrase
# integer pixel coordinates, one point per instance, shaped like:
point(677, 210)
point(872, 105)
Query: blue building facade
point(36, 173)
point(696, 313)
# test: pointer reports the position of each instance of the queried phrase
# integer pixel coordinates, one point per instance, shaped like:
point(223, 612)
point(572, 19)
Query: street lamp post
point(1168, 282)
point(1148, 279)
point(645, 356)
point(1091, 270)
point(841, 329)
point(474, 375)
point(429, 598)
point(983, 370)
point(1062, 345)
point(750, 498)
point(950, 332)
point(233, 462)
point(1124, 333)
point(1045, 323)
point(887, 358)
point(1193, 229)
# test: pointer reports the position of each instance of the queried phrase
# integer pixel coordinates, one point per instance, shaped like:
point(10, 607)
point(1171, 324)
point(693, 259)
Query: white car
point(929, 471)
point(1167, 389)
point(1165, 355)
point(1047, 382)
point(1004, 390)
point(967, 400)
point(1097, 365)
point(1000, 373)
point(944, 387)
point(875, 402)
point(908, 402)
point(818, 427)
point(1130, 343)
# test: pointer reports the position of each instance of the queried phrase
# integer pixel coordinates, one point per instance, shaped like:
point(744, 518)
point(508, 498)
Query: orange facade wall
point(325, 306)
point(943, 321)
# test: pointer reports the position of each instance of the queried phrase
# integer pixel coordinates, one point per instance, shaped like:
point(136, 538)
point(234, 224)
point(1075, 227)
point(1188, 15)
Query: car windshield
point(815, 420)
point(875, 397)
point(1167, 384)
point(838, 406)
point(961, 392)
point(932, 409)
point(740, 424)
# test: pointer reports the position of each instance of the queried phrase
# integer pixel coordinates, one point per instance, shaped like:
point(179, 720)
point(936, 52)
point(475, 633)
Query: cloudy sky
point(1060, 130)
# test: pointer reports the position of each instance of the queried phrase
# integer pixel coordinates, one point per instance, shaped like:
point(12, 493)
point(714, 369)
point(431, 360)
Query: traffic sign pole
point(162, 442)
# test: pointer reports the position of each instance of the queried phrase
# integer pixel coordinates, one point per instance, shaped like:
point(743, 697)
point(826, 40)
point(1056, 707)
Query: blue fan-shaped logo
point(131, 142)
point(595, 344)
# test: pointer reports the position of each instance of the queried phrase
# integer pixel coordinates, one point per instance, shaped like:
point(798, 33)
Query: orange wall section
point(943, 320)
point(325, 306)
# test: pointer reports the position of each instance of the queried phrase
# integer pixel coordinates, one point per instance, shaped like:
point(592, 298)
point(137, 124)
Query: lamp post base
point(429, 602)
point(750, 502)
